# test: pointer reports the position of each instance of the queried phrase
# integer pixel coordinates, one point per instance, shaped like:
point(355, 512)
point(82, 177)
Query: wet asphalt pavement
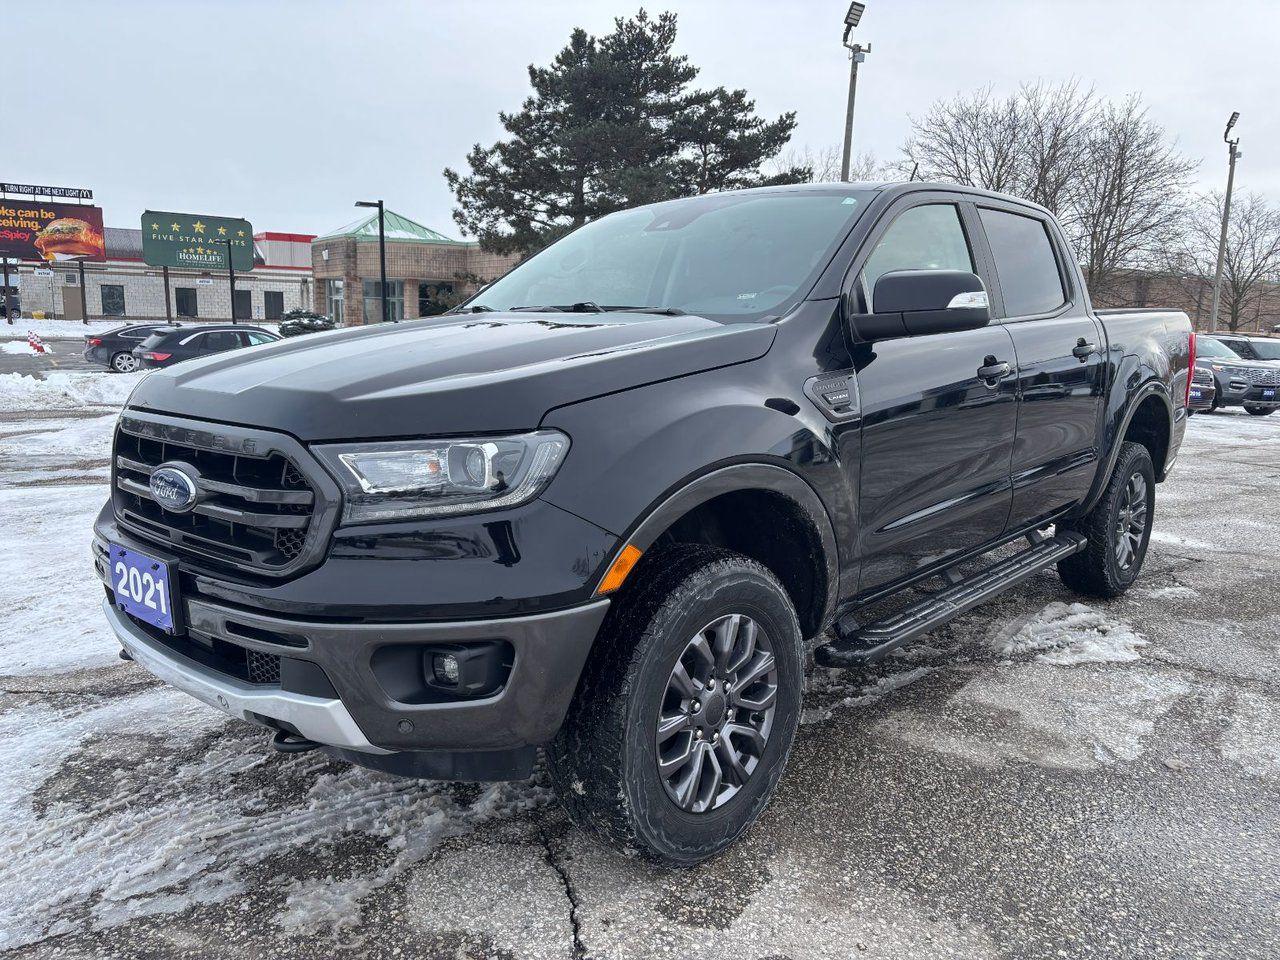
point(956, 801)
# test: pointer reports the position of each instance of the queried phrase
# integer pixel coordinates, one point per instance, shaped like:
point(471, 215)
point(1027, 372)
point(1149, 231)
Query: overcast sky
point(287, 112)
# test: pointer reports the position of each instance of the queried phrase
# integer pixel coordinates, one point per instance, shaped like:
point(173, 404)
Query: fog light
point(445, 667)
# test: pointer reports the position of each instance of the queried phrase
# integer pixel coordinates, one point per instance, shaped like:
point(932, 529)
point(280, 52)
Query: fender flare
point(1152, 388)
point(732, 478)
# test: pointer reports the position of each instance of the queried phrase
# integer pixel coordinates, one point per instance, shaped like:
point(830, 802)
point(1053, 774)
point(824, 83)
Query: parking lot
point(1041, 778)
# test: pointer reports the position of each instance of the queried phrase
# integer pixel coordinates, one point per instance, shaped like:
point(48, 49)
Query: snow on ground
point(1069, 634)
point(24, 348)
point(40, 452)
point(50, 329)
point(63, 390)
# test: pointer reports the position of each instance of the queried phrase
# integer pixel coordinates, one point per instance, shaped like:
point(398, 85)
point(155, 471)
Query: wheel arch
point(797, 542)
point(1147, 418)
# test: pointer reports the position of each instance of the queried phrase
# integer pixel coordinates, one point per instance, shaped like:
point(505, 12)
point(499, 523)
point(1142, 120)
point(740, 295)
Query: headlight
point(432, 478)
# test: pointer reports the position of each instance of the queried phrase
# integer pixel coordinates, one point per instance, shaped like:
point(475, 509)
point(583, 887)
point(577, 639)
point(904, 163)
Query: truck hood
point(474, 373)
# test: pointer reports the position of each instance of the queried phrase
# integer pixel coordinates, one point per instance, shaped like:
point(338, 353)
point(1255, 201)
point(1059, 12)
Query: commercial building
point(126, 287)
point(423, 266)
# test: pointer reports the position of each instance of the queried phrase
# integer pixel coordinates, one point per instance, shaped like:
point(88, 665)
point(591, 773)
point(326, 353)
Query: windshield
point(1208, 347)
point(725, 256)
point(1266, 349)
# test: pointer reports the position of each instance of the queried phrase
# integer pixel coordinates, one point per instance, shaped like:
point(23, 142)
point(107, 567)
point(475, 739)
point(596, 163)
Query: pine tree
point(612, 123)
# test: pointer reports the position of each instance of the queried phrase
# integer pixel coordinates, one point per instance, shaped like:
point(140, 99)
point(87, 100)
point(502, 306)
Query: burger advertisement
point(53, 232)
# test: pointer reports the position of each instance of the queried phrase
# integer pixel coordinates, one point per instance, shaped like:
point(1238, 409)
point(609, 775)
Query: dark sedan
point(168, 345)
point(115, 348)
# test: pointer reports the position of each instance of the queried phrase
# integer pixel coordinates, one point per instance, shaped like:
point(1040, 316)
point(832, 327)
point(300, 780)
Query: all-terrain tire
point(1097, 570)
point(604, 761)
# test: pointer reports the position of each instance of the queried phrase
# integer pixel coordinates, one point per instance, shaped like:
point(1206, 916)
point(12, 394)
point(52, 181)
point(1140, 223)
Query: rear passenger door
point(1060, 359)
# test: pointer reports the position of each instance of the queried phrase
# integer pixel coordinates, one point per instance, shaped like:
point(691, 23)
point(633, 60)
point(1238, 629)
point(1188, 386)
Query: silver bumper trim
point(316, 718)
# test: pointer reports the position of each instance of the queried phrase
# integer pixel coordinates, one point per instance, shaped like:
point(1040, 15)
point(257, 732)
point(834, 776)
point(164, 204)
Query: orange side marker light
point(619, 569)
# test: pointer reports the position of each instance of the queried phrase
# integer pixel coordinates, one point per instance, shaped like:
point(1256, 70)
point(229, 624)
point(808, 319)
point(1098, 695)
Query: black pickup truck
point(598, 511)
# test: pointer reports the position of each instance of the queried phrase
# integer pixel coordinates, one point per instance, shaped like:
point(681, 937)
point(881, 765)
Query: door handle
point(1083, 349)
point(993, 369)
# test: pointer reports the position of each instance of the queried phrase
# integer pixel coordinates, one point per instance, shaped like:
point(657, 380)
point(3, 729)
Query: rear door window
point(1025, 263)
point(219, 341)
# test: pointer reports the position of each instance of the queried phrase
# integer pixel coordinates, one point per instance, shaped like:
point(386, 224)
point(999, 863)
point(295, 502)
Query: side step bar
point(863, 644)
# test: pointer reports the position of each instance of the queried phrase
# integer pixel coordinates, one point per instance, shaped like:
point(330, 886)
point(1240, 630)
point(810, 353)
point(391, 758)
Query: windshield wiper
point(476, 308)
point(661, 311)
point(583, 306)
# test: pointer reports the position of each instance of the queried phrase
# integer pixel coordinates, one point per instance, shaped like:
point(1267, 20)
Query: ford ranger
point(602, 514)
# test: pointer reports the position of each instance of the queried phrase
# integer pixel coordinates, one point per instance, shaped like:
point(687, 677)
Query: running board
point(858, 645)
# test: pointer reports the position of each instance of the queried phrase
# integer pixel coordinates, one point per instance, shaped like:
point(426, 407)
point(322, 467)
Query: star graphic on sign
point(155, 226)
point(174, 227)
point(198, 227)
point(239, 233)
point(222, 231)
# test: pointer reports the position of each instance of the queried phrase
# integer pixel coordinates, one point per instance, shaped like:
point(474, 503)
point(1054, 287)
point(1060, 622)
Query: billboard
point(35, 230)
point(196, 242)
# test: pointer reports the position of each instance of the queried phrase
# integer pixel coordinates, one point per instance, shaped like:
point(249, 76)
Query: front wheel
point(1260, 411)
point(1118, 529)
point(687, 708)
point(124, 363)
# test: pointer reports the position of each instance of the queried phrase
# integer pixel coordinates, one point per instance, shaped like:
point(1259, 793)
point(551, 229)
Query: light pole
point(231, 275)
point(857, 54)
point(1232, 156)
point(382, 252)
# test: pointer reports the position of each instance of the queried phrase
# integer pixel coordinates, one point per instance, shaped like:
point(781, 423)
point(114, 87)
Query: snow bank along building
point(125, 287)
point(422, 267)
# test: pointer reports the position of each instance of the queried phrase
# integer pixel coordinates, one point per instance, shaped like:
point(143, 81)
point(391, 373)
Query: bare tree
point(1250, 267)
point(824, 164)
point(1106, 170)
point(1132, 195)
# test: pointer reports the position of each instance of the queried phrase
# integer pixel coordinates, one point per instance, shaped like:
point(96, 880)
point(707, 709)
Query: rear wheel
point(124, 363)
point(1118, 529)
point(1260, 411)
point(687, 708)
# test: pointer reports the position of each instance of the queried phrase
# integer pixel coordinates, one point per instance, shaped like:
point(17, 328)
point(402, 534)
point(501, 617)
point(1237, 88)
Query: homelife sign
point(196, 242)
point(36, 230)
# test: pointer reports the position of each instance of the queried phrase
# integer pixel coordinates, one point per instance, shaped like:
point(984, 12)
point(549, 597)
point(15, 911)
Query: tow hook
point(287, 742)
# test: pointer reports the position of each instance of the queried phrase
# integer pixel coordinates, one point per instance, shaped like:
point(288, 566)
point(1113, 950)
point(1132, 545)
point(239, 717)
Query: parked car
point(169, 345)
point(114, 349)
point(1203, 390)
point(598, 511)
point(1266, 349)
point(1252, 384)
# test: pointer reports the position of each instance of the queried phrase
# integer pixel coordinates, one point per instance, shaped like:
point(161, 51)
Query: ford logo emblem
point(174, 489)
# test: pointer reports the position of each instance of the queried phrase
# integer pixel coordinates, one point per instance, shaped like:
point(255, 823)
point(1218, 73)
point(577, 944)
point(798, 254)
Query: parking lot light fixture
point(382, 252)
point(1233, 154)
point(857, 54)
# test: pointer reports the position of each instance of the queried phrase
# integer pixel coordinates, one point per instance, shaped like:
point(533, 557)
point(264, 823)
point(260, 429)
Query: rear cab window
point(1026, 266)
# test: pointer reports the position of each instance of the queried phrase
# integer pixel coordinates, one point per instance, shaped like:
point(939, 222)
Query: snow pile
point(62, 390)
point(1070, 634)
point(67, 450)
point(56, 329)
point(24, 348)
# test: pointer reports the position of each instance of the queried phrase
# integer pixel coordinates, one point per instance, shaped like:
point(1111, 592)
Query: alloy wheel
point(717, 713)
point(125, 363)
point(1131, 521)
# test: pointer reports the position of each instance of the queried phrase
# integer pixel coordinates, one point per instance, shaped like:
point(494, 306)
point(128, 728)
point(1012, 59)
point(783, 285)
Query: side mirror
point(913, 303)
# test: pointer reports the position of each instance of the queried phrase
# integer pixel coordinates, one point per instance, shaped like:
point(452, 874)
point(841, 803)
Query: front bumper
point(352, 702)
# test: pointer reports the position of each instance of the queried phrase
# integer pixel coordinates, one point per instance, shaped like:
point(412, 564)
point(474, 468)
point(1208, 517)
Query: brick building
point(422, 267)
point(1260, 313)
point(125, 287)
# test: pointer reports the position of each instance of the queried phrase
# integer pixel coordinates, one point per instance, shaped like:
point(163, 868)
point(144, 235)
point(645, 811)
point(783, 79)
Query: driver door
point(937, 439)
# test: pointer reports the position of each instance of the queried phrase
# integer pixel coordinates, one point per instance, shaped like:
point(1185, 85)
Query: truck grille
point(1202, 377)
point(1264, 378)
point(255, 508)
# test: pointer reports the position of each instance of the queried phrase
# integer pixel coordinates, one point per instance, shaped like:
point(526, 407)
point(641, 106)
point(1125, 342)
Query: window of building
point(434, 298)
point(184, 299)
point(243, 305)
point(272, 304)
point(333, 294)
point(395, 301)
point(112, 299)
point(927, 237)
point(1025, 264)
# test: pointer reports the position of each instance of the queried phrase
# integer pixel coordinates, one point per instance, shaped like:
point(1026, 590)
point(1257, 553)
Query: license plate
point(1269, 393)
point(143, 587)
point(1195, 394)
